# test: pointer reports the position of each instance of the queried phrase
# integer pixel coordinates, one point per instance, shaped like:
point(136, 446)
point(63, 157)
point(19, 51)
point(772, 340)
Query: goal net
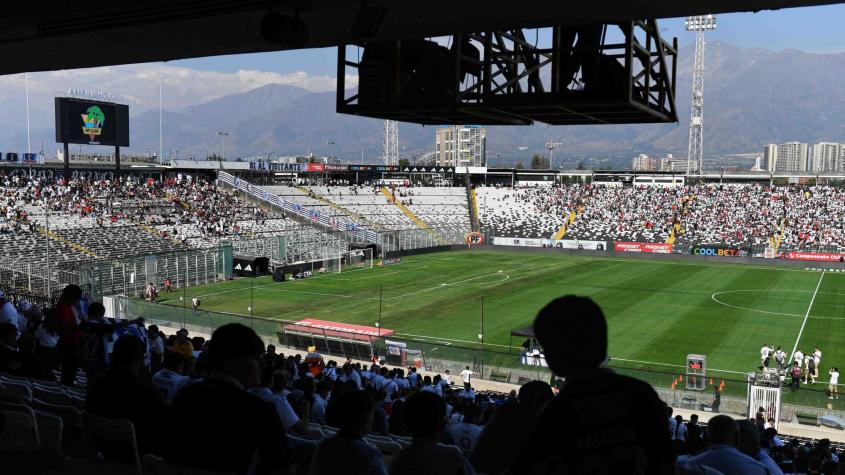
point(333, 264)
point(357, 259)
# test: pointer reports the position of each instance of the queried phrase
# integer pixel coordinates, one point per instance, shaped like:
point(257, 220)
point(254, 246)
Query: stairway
point(410, 214)
point(350, 214)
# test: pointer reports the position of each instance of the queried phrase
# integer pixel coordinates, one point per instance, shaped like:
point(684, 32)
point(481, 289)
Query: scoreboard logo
point(93, 121)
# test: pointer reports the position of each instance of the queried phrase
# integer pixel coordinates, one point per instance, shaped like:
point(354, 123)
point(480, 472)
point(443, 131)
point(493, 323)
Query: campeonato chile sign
point(814, 256)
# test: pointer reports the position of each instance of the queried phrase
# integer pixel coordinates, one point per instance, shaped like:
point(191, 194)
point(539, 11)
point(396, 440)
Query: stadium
point(307, 316)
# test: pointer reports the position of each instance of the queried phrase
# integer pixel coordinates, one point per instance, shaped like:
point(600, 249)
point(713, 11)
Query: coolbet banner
point(718, 251)
point(648, 247)
point(814, 256)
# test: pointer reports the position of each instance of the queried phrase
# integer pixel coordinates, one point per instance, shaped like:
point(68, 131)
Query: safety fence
point(492, 362)
point(355, 232)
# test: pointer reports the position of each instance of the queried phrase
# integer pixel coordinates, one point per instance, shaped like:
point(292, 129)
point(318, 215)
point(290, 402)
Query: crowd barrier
point(494, 363)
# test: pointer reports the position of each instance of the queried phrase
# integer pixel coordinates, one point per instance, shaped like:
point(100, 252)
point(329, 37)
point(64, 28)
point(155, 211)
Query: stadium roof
point(40, 35)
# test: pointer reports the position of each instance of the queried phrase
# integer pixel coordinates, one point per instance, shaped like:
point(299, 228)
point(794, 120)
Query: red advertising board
point(649, 247)
point(813, 256)
point(315, 167)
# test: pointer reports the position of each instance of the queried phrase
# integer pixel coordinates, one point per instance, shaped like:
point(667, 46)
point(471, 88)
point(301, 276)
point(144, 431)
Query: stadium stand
point(376, 417)
point(531, 212)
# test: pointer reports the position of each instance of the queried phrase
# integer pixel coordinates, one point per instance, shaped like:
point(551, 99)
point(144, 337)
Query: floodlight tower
point(551, 146)
point(699, 24)
point(391, 142)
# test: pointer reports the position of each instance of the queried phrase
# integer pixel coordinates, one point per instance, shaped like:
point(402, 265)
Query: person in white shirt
point(465, 433)
point(466, 377)
point(780, 358)
point(8, 312)
point(349, 374)
point(321, 397)
point(833, 392)
point(447, 379)
point(798, 357)
point(156, 349)
point(290, 420)
point(169, 380)
point(765, 352)
point(817, 358)
point(680, 431)
point(413, 377)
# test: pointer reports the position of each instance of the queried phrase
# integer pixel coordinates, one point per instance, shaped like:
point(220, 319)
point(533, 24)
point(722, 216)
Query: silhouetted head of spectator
point(353, 412)
point(573, 333)
point(723, 430)
point(534, 395)
point(749, 438)
point(425, 414)
point(174, 361)
point(235, 351)
point(71, 294)
point(8, 334)
point(472, 414)
point(128, 354)
point(96, 311)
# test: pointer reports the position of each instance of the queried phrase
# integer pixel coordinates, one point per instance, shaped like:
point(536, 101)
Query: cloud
point(138, 86)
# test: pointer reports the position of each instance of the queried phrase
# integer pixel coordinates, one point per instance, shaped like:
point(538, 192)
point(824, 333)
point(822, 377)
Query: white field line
point(671, 365)
point(381, 275)
point(438, 339)
point(807, 315)
point(446, 284)
point(322, 294)
point(769, 312)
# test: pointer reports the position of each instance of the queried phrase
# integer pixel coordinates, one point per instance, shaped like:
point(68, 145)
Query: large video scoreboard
point(90, 122)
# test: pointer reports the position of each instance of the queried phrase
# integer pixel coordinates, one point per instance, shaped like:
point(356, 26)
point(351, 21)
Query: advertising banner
point(506, 241)
point(647, 247)
point(577, 244)
point(814, 256)
point(315, 167)
point(718, 251)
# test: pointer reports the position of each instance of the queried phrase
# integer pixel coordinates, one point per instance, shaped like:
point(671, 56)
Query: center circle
point(724, 298)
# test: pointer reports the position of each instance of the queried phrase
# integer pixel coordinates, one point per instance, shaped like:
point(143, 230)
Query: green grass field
point(657, 311)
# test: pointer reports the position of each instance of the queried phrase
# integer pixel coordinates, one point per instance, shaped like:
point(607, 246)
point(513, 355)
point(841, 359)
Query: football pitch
point(658, 311)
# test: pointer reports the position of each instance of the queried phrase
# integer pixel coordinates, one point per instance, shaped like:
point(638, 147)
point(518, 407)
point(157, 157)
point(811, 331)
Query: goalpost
point(349, 260)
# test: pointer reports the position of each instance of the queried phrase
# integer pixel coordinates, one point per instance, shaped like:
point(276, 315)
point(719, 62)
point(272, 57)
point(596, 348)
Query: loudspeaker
point(279, 274)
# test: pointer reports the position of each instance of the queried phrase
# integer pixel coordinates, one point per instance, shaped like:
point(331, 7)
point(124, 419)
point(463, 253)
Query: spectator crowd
point(233, 404)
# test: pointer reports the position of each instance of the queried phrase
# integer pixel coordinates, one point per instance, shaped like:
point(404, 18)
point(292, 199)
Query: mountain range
point(753, 97)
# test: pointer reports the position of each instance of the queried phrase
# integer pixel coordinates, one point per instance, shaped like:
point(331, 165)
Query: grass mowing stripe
point(807, 315)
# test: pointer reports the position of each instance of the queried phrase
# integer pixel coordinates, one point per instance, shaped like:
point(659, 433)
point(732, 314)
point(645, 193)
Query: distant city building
point(770, 156)
point(461, 145)
point(787, 157)
point(643, 162)
point(758, 164)
point(671, 164)
point(828, 157)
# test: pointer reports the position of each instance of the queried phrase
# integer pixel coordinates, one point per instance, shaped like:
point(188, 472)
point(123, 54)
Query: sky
point(194, 81)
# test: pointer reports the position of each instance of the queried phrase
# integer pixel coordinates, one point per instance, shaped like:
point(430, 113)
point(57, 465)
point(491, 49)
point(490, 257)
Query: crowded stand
point(642, 214)
point(536, 212)
point(105, 218)
point(82, 393)
point(737, 216)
